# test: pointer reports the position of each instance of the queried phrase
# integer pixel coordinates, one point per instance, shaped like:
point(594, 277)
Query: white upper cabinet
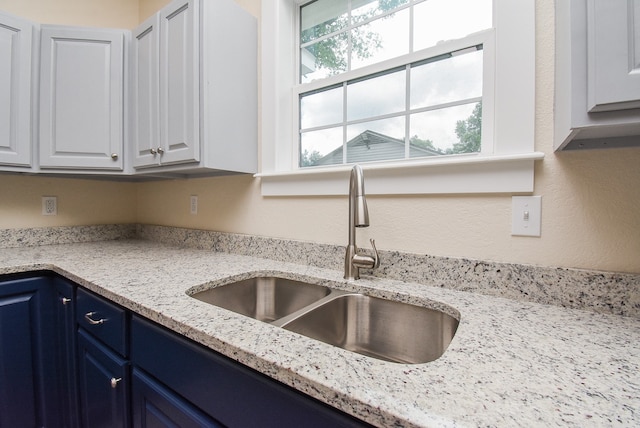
point(194, 89)
point(144, 115)
point(81, 98)
point(597, 74)
point(614, 55)
point(180, 82)
point(15, 91)
point(165, 98)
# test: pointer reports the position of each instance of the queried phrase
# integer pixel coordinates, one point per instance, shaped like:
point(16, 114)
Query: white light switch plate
point(526, 214)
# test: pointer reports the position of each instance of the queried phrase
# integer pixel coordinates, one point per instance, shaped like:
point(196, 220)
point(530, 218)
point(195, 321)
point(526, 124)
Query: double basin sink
point(379, 328)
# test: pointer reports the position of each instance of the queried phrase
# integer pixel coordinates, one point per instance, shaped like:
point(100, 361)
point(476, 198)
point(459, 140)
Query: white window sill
point(453, 175)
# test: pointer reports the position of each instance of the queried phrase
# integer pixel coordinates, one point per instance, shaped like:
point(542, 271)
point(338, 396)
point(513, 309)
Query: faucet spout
point(358, 217)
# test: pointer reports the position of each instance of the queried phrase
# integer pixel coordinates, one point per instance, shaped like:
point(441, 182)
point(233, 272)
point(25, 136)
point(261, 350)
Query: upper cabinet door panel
point(81, 98)
point(179, 82)
point(613, 55)
point(15, 91)
point(145, 45)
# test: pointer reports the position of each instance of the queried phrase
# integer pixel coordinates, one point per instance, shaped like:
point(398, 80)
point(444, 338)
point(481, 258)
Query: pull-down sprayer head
point(361, 212)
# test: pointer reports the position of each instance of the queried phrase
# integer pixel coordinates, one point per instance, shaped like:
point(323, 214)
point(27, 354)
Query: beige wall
point(94, 13)
point(591, 199)
point(80, 202)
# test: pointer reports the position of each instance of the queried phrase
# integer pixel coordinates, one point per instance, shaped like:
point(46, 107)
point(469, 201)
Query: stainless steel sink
point(383, 329)
point(375, 327)
point(264, 298)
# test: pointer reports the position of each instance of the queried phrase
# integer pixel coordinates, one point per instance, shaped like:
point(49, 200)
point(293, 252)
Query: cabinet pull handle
point(114, 382)
point(114, 156)
point(152, 151)
point(160, 150)
point(65, 300)
point(91, 321)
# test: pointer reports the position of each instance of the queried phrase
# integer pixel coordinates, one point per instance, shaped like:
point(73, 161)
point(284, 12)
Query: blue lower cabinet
point(156, 406)
point(233, 394)
point(103, 384)
point(64, 307)
point(28, 372)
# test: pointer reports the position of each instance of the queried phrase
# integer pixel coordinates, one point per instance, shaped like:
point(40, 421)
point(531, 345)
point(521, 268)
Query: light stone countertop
point(511, 363)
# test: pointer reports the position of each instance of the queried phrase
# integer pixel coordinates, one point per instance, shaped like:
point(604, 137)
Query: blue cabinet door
point(64, 307)
point(227, 391)
point(103, 385)
point(155, 406)
point(28, 375)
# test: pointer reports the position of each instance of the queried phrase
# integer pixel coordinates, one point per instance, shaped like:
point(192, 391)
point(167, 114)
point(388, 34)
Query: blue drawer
point(104, 320)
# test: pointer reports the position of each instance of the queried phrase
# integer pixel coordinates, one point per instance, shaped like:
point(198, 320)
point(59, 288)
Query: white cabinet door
point(81, 98)
point(179, 82)
point(15, 91)
point(145, 68)
point(613, 55)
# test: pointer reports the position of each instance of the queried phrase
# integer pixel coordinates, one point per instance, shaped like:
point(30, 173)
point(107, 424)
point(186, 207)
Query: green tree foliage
point(425, 144)
point(332, 53)
point(309, 158)
point(469, 133)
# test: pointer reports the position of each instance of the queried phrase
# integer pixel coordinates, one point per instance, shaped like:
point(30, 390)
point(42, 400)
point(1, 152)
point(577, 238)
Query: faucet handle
point(364, 261)
point(376, 259)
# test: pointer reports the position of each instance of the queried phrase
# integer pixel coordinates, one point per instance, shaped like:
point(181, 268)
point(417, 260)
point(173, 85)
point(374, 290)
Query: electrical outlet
point(194, 204)
point(49, 205)
point(526, 214)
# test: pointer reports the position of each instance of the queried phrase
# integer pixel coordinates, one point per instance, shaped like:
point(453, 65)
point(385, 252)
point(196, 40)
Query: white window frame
point(505, 165)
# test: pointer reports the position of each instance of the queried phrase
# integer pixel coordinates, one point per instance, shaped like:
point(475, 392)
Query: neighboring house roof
point(372, 146)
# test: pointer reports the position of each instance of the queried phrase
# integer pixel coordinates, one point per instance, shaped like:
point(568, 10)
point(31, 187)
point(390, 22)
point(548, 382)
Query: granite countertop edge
point(510, 363)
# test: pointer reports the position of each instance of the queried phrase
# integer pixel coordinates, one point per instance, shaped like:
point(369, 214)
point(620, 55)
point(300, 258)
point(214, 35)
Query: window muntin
point(424, 108)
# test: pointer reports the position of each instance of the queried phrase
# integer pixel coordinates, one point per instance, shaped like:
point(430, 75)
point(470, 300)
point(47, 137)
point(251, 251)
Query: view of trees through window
point(331, 54)
point(436, 101)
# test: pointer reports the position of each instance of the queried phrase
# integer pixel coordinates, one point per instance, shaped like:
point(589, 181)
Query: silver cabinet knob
point(153, 151)
point(114, 156)
point(160, 150)
point(65, 300)
point(114, 382)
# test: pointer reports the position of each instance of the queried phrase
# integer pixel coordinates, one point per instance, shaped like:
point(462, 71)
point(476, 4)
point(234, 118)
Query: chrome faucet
point(358, 217)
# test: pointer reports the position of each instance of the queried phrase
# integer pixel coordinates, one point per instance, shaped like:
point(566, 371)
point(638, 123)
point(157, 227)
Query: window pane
point(376, 140)
point(381, 39)
point(451, 79)
point(365, 9)
point(321, 108)
point(378, 96)
point(321, 147)
point(440, 20)
point(451, 130)
point(322, 17)
point(324, 58)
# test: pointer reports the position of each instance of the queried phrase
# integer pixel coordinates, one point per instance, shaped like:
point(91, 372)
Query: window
point(429, 105)
point(430, 96)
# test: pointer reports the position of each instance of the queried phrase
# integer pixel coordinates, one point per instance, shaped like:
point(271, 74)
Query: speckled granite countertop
point(510, 363)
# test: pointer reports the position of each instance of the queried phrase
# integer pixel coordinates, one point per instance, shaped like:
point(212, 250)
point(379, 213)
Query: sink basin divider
point(281, 322)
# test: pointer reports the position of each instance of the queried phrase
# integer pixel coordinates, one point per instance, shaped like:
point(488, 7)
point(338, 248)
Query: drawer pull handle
point(65, 300)
point(91, 321)
point(114, 382)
